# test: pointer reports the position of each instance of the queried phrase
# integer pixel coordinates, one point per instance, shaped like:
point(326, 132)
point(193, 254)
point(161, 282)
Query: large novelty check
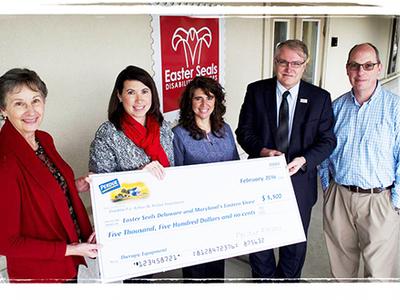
point(197, 214)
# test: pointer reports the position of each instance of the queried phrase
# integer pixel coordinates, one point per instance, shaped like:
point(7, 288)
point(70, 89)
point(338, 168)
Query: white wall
point(351, 31)
point(243, 61)
point(79, 58)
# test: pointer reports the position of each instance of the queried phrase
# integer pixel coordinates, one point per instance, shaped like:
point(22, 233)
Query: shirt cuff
point(395, 199)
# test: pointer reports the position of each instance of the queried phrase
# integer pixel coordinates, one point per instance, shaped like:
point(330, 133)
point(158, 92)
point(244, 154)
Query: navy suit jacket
point(312, 131)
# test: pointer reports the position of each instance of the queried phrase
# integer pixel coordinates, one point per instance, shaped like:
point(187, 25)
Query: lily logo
point(192, 41)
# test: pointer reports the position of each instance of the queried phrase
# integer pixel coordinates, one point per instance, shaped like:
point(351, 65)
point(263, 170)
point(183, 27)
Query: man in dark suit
point(286, 115)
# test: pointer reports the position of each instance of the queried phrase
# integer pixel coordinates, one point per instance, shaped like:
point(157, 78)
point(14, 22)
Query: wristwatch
point(397, 209)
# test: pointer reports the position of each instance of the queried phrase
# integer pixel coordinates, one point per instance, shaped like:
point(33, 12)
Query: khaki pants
point(361, 224)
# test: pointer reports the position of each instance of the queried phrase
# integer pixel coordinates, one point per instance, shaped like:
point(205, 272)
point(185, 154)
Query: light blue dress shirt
point(291, 99)
point(367, 154)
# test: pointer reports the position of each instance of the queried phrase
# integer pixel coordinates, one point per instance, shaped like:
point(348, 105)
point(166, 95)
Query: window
point(281, 31)
point(394, 47)
point(310, 36)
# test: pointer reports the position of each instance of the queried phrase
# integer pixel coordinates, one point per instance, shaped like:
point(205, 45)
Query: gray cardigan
point(112, 151)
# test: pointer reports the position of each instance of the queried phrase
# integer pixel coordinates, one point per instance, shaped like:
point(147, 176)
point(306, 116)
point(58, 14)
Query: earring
point(4, 117)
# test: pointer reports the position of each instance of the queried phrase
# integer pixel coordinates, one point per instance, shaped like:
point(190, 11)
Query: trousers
point(361, 226)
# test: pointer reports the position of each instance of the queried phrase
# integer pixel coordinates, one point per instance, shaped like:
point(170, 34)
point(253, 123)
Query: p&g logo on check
point(109, 186)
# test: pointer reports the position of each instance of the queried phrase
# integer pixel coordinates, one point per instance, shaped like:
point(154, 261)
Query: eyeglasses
point(369, 66)
point(294, 64)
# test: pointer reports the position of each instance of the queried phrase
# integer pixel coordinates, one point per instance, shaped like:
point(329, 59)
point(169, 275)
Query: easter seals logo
point(189, 47)
point(109, 186)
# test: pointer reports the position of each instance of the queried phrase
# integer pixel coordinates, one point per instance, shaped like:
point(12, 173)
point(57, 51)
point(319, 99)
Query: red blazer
point(35, 223)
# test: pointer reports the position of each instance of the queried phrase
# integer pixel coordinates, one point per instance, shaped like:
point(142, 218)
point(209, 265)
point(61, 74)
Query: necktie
point(283, 127)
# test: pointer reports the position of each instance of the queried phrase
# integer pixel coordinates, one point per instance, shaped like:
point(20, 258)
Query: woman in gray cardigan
point(136, 136)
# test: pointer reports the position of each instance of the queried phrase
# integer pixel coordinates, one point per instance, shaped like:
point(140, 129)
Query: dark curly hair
point(187, 117)
point(115, 108)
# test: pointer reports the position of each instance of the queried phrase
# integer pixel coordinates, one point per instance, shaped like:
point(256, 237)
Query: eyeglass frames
point(368, 66)
point(294, 64)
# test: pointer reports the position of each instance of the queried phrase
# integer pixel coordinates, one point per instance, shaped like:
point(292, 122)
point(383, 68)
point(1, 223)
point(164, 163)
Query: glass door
point(310, 35)
point(394, 47)
point(310, 31)
point(280, 32)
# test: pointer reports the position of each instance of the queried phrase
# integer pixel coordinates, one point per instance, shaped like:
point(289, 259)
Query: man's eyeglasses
point(369, 66)
point(294, 64)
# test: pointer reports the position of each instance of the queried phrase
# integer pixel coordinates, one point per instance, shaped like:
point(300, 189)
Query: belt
point(356, 189)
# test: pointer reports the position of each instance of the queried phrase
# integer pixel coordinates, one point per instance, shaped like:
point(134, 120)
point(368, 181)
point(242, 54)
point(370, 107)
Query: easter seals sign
point(185, 47)
point(148, 225)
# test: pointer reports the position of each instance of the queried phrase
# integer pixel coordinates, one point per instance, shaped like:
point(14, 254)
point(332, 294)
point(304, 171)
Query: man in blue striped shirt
point(361, 178)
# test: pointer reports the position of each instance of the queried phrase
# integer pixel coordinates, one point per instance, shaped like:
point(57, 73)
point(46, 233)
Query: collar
point(13, 143)
point(293, 91)
point(375, 95)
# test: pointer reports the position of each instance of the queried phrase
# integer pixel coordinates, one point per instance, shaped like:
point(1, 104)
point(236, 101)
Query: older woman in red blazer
point(43, 222)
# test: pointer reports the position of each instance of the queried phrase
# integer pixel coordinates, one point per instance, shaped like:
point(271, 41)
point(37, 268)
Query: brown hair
point(115, 108)
point(187, 116)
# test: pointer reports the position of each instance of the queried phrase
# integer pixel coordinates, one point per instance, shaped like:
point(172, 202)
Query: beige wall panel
point(243, 61)
point(79, 58)
point(351, 31)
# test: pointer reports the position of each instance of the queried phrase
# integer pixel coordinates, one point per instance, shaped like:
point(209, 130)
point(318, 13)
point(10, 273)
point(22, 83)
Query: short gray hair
point(296, 45)
point(17, 77)
point(369, 44)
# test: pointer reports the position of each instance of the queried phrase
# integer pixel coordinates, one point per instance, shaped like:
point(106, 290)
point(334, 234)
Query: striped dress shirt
point(367, 154)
